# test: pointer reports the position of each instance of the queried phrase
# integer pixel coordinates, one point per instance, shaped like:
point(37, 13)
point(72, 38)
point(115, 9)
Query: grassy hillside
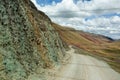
point(96, 45)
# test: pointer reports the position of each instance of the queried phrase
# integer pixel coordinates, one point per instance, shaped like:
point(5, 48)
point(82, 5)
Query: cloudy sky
point(96, 16)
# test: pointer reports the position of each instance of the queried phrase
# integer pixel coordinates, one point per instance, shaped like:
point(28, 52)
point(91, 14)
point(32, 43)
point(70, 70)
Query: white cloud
point(64, 5)
point(100, 4)
point(106, 26)
point(68, 13)
point(116, 19)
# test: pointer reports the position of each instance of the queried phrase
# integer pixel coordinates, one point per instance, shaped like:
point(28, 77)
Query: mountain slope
point(27, 41)
point(79, 38)
point(96, 45)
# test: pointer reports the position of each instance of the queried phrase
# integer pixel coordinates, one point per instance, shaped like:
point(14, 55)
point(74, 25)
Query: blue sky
point(108, 15)
point(75, 1)
point(96, 16)
point(47, 2)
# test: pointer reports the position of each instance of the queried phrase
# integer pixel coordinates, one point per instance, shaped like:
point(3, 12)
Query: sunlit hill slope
point(96, 45)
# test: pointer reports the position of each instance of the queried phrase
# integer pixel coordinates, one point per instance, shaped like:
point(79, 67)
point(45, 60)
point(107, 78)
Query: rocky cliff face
point(27, 40)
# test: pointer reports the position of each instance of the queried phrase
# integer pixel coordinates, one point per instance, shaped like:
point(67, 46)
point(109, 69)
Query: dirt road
point(82, 67)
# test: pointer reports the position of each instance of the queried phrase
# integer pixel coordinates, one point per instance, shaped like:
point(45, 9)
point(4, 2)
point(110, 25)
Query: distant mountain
point(80, 38)
point(97, 45)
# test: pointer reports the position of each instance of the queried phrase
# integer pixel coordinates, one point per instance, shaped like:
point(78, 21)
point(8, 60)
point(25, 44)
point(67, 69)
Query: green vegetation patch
point(117, 51)
point(1, 63)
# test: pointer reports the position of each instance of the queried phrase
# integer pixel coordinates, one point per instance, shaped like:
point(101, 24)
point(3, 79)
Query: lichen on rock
point(27, 40)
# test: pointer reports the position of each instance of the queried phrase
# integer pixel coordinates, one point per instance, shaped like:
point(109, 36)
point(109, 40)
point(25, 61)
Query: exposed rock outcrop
point(27, 40)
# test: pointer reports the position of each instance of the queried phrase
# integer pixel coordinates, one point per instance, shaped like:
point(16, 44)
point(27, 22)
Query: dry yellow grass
point(96, 45)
